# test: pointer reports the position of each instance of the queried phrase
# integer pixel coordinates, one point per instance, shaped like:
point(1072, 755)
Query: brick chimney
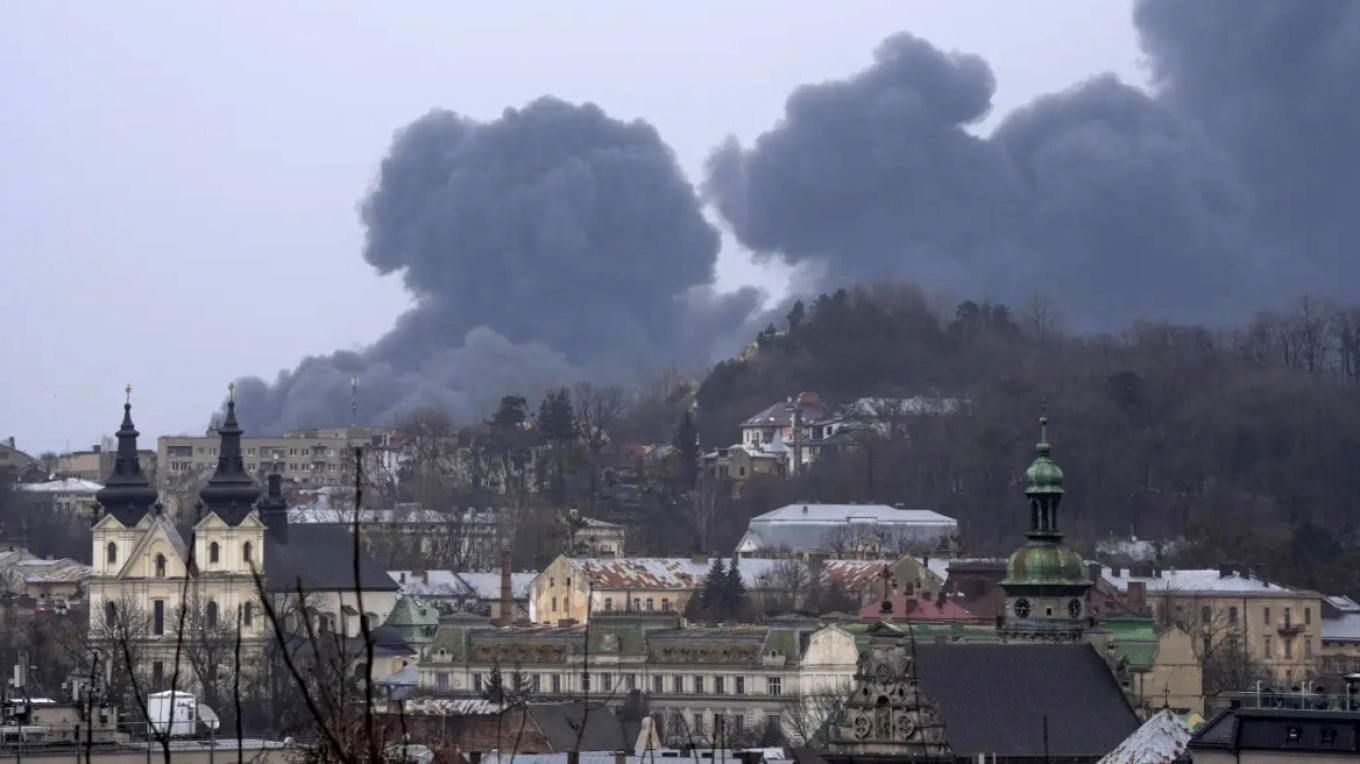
point(1137, 596)
point(507, 614)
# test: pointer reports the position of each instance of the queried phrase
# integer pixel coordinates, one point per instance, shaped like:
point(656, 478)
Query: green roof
point(1131, 627)
point(1043, 562)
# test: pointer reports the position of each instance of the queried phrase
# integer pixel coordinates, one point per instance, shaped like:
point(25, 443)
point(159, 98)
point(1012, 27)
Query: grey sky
point(179, 185)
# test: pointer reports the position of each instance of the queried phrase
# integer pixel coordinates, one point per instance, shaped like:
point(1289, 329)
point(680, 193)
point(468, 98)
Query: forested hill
point(1246, 440)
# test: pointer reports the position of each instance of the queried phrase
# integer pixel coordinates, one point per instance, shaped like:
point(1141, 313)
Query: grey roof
point(172, 533)
point(1343, 629)
point(1281, 730)
point(562, 726)
point(487, 586)
point(320, 557)
point(1161, 740)
point(994, 699)
point(809, 526)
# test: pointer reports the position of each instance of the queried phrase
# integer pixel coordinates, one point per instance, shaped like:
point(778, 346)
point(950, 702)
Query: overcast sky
point(178, 182)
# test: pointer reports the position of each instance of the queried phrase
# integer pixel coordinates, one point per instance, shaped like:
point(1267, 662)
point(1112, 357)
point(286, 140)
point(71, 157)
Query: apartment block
point(321, 457)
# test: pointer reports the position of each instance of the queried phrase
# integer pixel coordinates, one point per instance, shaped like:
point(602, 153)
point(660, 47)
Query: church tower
point(127, 495)
point(230, 493)
point(1046, 581)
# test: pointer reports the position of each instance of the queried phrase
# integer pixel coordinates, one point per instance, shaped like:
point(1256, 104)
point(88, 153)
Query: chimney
point(1115, 571)
point(1093, 571)
point(403, 578)
point(10, 441)
point(96, 448)
point(1137, 596)
point(507, 591)
point(1225, 571)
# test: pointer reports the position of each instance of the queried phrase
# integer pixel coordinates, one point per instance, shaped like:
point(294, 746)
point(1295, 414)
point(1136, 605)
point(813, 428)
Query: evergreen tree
point(494, 688)
point(711, 594)
point(520, 687)
point(687, 451)
point(795, 316)
point(734, 592)
point(512, 413)
point(555, 418)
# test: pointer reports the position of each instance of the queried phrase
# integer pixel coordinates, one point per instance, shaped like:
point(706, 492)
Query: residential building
point(597, 538)
point(1252, 735)
point(574, 589)
point(848, 530)
point(96, 465)
point(450, 591)
point(69, 495)
point(13, 460)
point(1279, 626)
point(1159, 665)
point(749, 676)
point(315, 457)
point(143, 564)
point(1340, 629)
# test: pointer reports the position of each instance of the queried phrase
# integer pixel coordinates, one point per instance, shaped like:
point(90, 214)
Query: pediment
point(156, 532)
point(109, 522)
point(212, 522)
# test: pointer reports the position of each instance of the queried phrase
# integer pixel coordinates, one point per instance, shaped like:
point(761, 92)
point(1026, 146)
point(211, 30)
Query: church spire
point(1044, 488)
point(230, 492)
point(127, 495)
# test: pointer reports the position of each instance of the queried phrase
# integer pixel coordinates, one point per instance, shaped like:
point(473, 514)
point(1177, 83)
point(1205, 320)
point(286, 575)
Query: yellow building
point(1276, 625)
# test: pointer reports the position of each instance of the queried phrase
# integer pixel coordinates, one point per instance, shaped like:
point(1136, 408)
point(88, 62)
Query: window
point(585, 682)
point(212, 613)
point(292, 452)
point(665, 605)
point(110, 614)
point(630, 682)
point(718, 688)
point(536, 684)
point(1288, 647)
point(214, 552)
point(1206, 614)
point(568, 582)
point(1232, 616)
point(739, 723)
point(1308, 618)
point(677, 684)
point(477, 682)
point(698, 685)
point(1293, 734)
point(200, 450)
point(160, 566)
point(248, 552)
point(1288, 617)
point(552, 581)
point(606, 682)
point(441, 681)
point(1267, 615)
point(637, 604)
point(250, 452)
point(698, 723)
point(111, 553)
point(740, 685)
point(649, 604)
point(608, 604)
point(248, 614)
point(773, 686)
point(158, 617)
point(157, 674)
point(557, 683)
point(554, 604)
point(1267, 648)
point(1329, 735)
point(306, 452)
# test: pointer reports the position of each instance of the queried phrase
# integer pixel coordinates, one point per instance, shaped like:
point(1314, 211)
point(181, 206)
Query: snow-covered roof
point(1343, 629)
point(487, 586)
point(415, 515)
point(448, 583)
point(66, 485)
point(800, 527)
point(1343, 603)
point(1161, 740)
point(688, 573)
point(1195, 580)
point(853, 513)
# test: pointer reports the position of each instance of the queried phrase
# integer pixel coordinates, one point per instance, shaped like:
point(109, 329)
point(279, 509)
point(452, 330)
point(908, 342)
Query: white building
point(848, 530)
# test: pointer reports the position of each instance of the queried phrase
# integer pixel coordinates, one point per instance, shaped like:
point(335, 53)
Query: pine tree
point(687, 451)
point(711, 595)
point(734, 592)
point(494, 689)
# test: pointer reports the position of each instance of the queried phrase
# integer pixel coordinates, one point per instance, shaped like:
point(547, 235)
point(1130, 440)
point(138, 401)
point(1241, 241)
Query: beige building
point(748, 675)
point(12, 459)
point(320, 457)
point(1277, 625)
point(96, 465)
point(145, 574)
point(68, 495)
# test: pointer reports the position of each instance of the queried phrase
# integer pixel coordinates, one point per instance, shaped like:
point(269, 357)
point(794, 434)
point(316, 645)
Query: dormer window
point(214, 552)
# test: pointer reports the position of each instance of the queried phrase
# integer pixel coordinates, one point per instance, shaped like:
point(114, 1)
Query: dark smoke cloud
point(551, 245)
point(1120, 205)
point(1277, 86)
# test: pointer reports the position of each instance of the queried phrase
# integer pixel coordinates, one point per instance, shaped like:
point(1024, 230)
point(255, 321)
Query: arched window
point(649, 603)
point(212, 613)
point(110, 614)
point(111, 553)
point(665, 604)
point(248, 614)
point(608, 604)
point(213, 552)
point(248, 552)
point(160, 566)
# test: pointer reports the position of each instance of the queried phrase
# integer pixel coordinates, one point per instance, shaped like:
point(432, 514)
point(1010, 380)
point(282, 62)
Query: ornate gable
point(158, 536)
point(889, 714)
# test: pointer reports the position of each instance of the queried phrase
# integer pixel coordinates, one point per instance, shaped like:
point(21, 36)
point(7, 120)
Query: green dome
point(1044, 475)
point(1045, 564)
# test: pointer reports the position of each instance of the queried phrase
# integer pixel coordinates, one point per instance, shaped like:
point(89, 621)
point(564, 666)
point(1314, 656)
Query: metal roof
point(809, 526)
point(68, 485)
point(1343, 629)
point(1162, 739)
point(688, 573)
point(1198, 580)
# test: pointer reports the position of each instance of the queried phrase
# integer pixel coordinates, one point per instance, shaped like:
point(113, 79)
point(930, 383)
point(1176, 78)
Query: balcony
point(1288, 627)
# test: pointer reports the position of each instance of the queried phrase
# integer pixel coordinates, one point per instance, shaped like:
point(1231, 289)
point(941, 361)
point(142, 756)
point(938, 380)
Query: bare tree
point(705, 506)
point(597, 411)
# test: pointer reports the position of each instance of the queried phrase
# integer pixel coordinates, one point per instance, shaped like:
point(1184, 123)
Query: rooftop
point(1162, 739)
point(1197, 580)
point(67, 485)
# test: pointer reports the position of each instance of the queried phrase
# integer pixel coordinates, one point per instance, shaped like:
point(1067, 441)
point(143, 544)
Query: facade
point(450, 591)
point(144, 571)
point(1159, 665)
point(1276, 625)
point(848, 530)
point(574, 589)
point(1340, 629)
point(96, 465)
point(1267, 735)
point(1046, 583)
point(748, 675)
point(13, 460)
point(318, 457)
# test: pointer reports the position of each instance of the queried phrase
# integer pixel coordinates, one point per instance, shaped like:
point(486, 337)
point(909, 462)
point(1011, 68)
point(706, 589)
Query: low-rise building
point(12, 460)
point(71, 495)
point(465, 592)
point(1279, 626)
point(848, 530)
point(750, 676)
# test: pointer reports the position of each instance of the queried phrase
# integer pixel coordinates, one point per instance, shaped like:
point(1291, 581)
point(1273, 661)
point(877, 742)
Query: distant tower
point(230, 492)
point(1046, 582)
point(127, 495)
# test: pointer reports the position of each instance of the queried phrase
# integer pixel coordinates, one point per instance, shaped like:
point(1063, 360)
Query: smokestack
point(507, 616)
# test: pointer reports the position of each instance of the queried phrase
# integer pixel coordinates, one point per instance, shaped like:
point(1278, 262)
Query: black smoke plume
point(1232, 186)
point(552, 244)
